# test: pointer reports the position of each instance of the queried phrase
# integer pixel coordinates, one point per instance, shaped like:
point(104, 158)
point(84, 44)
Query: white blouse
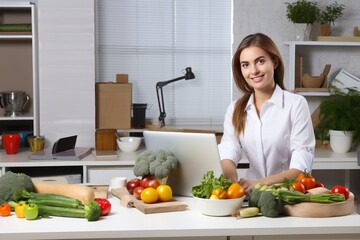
point(280, 139)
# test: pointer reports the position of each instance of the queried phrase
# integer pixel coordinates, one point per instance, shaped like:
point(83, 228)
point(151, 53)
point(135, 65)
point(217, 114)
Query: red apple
point(137, 192)
point(144, 181)
point(132, 184)
point(153, 183)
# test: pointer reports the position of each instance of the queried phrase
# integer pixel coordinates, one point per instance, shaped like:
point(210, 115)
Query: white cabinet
point(316, 54)
point(18, 65)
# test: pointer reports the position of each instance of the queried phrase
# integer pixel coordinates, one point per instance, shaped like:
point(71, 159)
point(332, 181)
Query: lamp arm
point(164, 83)
point(160, 98)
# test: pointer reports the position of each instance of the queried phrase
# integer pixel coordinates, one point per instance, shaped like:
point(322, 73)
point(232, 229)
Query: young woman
point(269, 125)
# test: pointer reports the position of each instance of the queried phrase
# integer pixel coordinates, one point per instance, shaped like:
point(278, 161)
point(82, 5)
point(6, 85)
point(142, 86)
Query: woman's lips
point(258, 78)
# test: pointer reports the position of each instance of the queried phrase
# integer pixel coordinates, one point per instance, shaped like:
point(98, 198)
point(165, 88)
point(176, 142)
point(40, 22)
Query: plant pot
point(340, 141)
point(302, 31)
point(324, 29)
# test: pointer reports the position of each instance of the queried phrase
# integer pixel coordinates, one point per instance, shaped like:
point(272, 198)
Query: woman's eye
point(244, 65)
point(261, 61)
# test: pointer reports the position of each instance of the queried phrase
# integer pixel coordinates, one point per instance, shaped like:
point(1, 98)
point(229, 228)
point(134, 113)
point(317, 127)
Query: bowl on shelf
point(218, 207)
point(128, 144)
point(312, 81)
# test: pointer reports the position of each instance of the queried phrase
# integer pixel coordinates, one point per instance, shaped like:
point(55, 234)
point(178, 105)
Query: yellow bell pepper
point(20, 210)
point(220, 193)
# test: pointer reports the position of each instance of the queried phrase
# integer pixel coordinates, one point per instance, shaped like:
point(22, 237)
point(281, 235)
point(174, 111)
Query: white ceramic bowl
point(128, 144)
point(218, 207)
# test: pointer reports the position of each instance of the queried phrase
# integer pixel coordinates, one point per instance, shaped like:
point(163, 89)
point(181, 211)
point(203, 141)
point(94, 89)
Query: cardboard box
point(113, 105)
point(122, 78)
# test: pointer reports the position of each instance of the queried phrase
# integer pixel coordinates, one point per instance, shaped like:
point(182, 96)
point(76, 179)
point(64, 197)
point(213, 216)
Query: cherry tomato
point(298, 186)
point(105, 206)
point(5, 210)
point(153, 183)
point(137, 192)
point(164, 192)
point(307, 180)
point(235, 191)
point(20, 210)
point(149, 195)
point(132, 184)
point(31, 211)
point(319, 184)
point(342, 190)
point(144, 181)
point(220, 193)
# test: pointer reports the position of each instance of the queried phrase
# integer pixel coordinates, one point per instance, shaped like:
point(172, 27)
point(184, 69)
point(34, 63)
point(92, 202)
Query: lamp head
point(189, 74)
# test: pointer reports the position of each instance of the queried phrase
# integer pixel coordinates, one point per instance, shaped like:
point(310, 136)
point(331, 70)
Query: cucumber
point(248, 212)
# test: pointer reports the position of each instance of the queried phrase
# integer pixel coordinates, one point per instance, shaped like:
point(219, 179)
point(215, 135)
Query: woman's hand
point(247, 184)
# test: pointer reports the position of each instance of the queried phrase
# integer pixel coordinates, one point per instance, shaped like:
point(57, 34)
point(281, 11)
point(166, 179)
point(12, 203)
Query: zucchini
point(246, 212)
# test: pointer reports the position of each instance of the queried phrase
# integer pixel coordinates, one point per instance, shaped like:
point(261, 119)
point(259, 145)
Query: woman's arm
point(248, 184)
point(229, 169)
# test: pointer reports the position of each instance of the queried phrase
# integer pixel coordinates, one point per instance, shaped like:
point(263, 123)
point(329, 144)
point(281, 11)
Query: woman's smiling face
point(257, 68)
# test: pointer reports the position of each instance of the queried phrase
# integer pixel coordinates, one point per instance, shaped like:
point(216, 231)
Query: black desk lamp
point(188, 75)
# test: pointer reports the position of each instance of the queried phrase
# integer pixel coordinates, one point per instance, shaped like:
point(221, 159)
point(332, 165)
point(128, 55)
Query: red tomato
point(307, 180)
point(132, 184)
point(153, 183)
point(342, 190)
point(144, 181)
point(105, 206)
point(137, 192)
point(298, 186)
point(5, 210)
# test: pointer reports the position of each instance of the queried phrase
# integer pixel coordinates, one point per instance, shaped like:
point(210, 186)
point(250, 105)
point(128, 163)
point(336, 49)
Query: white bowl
point(218, 207)
point(128, 144)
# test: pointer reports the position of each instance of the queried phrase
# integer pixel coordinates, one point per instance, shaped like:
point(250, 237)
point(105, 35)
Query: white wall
point(67, 61)
point(67, 69)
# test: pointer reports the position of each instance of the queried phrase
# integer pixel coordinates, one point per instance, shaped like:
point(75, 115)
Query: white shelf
point(28, 116)
point(314, 94)
point(23, 55)
point(293, 45)
point(15, 36)
point(323, 43)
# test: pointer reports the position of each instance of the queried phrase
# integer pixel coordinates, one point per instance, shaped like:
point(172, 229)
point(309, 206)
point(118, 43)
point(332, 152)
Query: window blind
point(156, 40)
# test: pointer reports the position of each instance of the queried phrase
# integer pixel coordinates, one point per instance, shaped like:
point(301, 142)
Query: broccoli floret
point(92, 211)
point(158, 163)
point(270, 206)
point(254, 195)
point(10, 182)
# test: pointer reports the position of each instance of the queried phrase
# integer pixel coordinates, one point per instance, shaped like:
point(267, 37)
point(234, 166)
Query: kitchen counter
point(131, 223)
point(325, 159)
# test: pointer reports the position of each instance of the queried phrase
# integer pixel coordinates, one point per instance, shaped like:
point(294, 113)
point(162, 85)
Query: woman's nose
point(254, 69)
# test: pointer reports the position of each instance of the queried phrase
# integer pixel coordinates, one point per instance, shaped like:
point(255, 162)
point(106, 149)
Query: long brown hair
point(264, 42)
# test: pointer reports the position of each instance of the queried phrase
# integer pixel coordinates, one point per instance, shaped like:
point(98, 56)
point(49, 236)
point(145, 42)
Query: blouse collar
point(276, 98)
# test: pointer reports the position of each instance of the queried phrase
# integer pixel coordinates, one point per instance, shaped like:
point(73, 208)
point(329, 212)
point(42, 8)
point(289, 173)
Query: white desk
point(130, 223)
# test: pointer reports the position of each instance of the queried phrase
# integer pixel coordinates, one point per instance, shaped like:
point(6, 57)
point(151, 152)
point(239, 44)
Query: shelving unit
point(295, 50)
point(18, 65)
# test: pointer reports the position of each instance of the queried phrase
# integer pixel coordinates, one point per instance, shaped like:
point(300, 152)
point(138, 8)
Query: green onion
point(293, 197)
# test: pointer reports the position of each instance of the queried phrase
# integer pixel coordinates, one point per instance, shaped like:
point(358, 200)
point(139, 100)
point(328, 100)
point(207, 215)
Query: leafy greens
point(208, 183)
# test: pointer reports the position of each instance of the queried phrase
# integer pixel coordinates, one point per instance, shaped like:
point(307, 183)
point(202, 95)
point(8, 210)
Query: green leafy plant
point(302, 11)
point(330, 13)
point(340, 111)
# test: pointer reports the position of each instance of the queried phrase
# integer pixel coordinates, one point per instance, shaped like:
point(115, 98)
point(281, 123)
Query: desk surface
point(131, 223)
point(324, 159)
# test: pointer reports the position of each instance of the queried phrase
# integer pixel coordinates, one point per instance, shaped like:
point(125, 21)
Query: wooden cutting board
point(128, 200)
point(320, 210)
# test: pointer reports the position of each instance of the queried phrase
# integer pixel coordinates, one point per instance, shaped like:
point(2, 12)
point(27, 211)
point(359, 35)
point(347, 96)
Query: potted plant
point(340, 118)
point(328, 16)
point(303, 14)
